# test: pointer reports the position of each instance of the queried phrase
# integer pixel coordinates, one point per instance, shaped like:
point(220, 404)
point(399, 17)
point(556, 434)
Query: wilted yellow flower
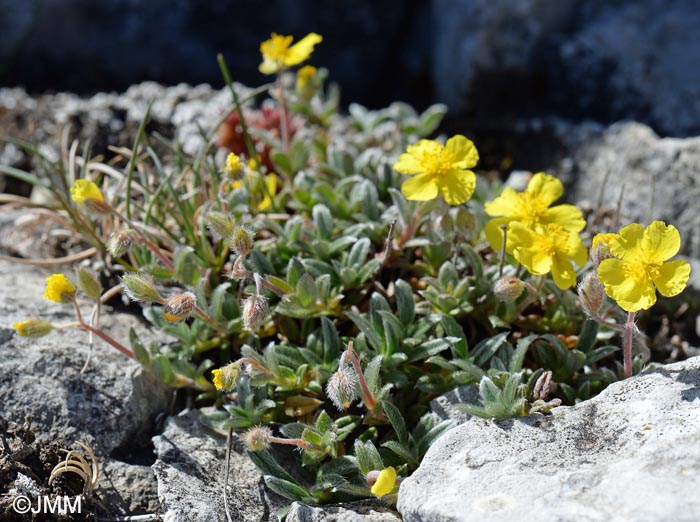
point(85, 192)
point(531, 208)
point(226, 377)
point(549, 248)
point(33, 327)
point(178, 307)
point(640, 267)
point(278, 53)
point(600, 248)
point(385, 482)
point(438, 169)
point(59, 289)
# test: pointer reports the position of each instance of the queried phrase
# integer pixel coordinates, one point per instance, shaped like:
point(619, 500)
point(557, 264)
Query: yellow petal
point(673, 277)
point(463, 152)
point(271, 186)
point(457, 186)
point(494, 234)
point(301, 50)
point(504, 204)
point(269, 66)
point(632, 295)
point(385, 482)
point(409, 164)
point(523, 243)
point(567, 216)
point(576, 250)
point(563, 272)
point(420, 188)
point(544, 187)
point(627, 244)
point(660, 242)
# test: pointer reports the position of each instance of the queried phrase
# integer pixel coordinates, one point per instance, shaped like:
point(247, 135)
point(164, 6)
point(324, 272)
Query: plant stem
point(504, 228)
point(239, 271)
point(229, 443)
point(627, 344)
point(367, 396)
point(300, 443)
point(109, 340)
point(284, 124)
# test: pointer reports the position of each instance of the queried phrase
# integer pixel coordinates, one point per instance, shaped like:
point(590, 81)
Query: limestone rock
point(368, 511)
point(190, 473)
point(631, 453)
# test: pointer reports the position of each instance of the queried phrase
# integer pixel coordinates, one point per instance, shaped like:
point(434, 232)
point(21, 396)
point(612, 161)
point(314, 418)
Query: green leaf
point(600, 353)
point(453, 329)
point(306, 290)
point(323, 221)
point(396, 420)
point(140, 352)
point(186, 269)
point(368, 458)
point(261, 264)
point(358, 253)
point(405, 308)
point(589, 334)
point(286, 489)
point(431, 118)
point(331, 341)
point(294, 271)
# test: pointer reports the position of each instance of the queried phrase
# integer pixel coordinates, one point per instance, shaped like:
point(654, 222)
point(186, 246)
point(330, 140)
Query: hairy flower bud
point(33, 327)
point(140, 287)
point(508, 289)
point(88, 283)
point(257, 438)
point(342, 388)
point(178, 307)
point(226, 377)
point(255, 311)
point(86, 193)
point(220, 224)
point(120, 242)
point(241, 240)
point(600, 248)
point(544, 386)
point(591, 293)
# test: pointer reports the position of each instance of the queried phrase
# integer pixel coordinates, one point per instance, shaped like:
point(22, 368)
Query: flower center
point(553, 239)
point(530, 209)
point(276, 48)
point(640, 271)
point(437, 162)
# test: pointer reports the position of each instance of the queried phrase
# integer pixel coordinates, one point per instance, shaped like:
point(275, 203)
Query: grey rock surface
point(631, 453)
point(350, 512)
point(601, 60)
point(190, 472)
point(114, 406)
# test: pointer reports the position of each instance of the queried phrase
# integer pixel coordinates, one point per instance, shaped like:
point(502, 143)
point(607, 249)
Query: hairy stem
point(627, 344)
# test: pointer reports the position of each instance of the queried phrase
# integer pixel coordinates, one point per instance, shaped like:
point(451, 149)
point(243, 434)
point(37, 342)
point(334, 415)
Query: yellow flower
point(548, 248)
point(305, 75)
point(639, 266)
point(85, 192)
point(226, 377)
point(33, 327)
point(233, 164)
point(278, 53)
point(59, 289)
point(531, 208)
point(438, 169)
point(385, 482)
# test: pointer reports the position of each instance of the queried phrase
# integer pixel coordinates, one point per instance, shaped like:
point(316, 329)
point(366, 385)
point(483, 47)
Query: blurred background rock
point(493, 61)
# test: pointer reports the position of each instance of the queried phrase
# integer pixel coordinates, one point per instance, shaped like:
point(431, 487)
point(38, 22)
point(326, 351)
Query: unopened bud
point(257, 438)
point(305, 82)
point(220, 224)
point(233, 164)
point(600, 248)
point(543, 386)
point(88, 283)
point(226, 377)
point(33, 327)
point(255, 311)
point(140, 287)
point(120, 242)
point(59, 289)
point(591, 293)
point(241, 240)
point(178, 307)
point(508, 289)
point(342, 388)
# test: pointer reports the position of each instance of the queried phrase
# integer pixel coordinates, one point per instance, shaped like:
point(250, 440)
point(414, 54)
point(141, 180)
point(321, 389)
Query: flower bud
point(179, 306)
point(220, 224)
point(342, 388)
point(59, 289)
point(88, 283)
point(305, 82)
point(257, 438)
point(600, 248)
point(508, 289)
point(543, 386)
point(33, 327)
point(385, 482)
point(120, 242)
point(140, 287)
point(591, 293)
point(241, 241)
point(255, 311)
point(226, 377)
